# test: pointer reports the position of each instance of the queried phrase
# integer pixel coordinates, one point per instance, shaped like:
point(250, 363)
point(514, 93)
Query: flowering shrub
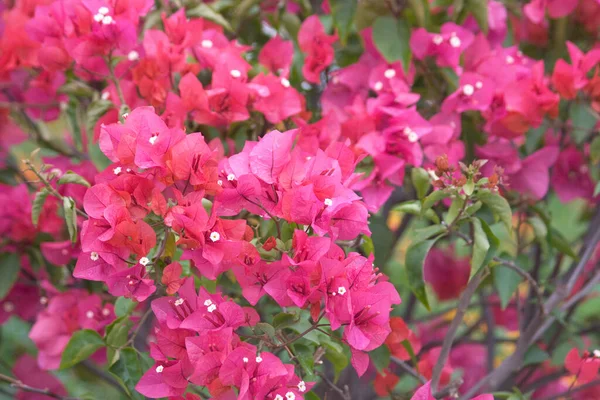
point(229, 199)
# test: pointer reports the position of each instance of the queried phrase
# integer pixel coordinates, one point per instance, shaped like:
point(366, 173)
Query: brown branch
point(408, 369)
point(345, 393)
point(26, 388)
point(524, 274)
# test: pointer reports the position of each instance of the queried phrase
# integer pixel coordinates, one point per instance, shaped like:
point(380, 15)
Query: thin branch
point(345, 393)
point(463, 304)
point(524, 274)
point(408, 369)
point(26, 388)
point(572, 390)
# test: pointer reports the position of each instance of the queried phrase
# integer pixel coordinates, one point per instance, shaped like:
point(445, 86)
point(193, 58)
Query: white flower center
point(378, 86)
point(455, 41)
point(89, 314)
point(231, 177)
point(479, 84)
point(94, 256)
point(285, 82)
point(207, 302)
point(103, 10)
point(290, 396)
point(510, 60)
point(107, 20)
point(468, 90)
point(105, 96)
point(117, 170)
point(597, 353)
point(342, 290)
point(328, 202)
point(215, 236)
point(278, 397)
point(144, 261)
point(160, 369)
point(98, 17)
point(131, 283)
point(235, 73)
point(245, 359)
point(212, 308)
point(153, 139)
point(302, 386)
point(438, 39)
point(133, 55)
point(43, 300)
point(258, 359)
point(8, 307)
point(125, 115)
point(389, 73)
point(179, 302)
point(105, 312)
point(207, 44)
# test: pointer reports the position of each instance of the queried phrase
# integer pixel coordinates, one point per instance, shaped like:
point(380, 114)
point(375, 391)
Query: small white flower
point(468, 90)
point(278, 397)
point(103, 10)
point(479, 84)
point(290, 396)
point(455, 41)
point(117, 170)
point(510, 60)
point(245, 359)
point(105, 312)
point(105, 95)
point(335, 80)
point(328, 202)
point(597, 353)
point(107, 20)
point(235, 73)
point(412, 137)
point(94, 256)
point(308, 158)
point(207, 44)
point(389, 73)
point(212, 308)
point(207, 302)
point(342, 290)
point(302, 386)
point(231, 177)
point(153, 139)
point(285, 82)
point(160, 369)
point(220, 182)
point(43, 300)
point(8, 307)
point(258, 359)
point(89, 314)
point(133, 55)
point(98, 17)
point(125, 115)
point(438, 39)
point(214, 236)
point(144, 261)
point(179, 301)
point(378, 86)
point(131, 283)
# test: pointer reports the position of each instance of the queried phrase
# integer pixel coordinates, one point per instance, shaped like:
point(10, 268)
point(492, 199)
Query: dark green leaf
point(117, 332)
point(411, 352)
point(336, 356)
point(124, 306)
point(77, 88)
point(558, 241)
point(262, 328)
point(499, 207)
point(427, 232)
point(10, 266)
point(206, 12)
point(38, 205)
point(481, 245)
point(506, 282)
point(72, 177)
point(70, 217)
point(415, 257)
point(96, 110)
point(535, 355)
point(391, 37)
point(367, 245)
point(368, 11)
point(583, 120)
point(380, 357)
point(454, 212)
point(421, 10)
point(82, 345)
point(420, 180)
point(432, 199)
point(128, 369)
point(342, 12)
point(595, 150)
point(479, 9)
point(414, 207)
point(305, 356)
point(283, 320)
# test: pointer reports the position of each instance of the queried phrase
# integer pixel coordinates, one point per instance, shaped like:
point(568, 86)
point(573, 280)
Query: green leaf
point(367, 245)
point(455, 209)
point(583, 120)
point(380, 357)
point(469, 187)
point(597, 189)
point(10, 265)
point(427, 232)
point(432, 199)
point(117, 332)
point(38, 205)
point(128, 370)
point(72, 177)
point(595, 150)
point(204, 11)
point(558, 241)
point(283, 320)
point(262, 328)
point(77, 88)
point(420, 180)
point(499, 207)
point(311, 396)
point(479, 9)
point(124, 306)
point(83, 344)
point(342, 12)
point(70, 217)
point(506, 282)
point(421, 10)
point(96, 109)
point(100, 161)
point(391, 37)
point(414, 207)
point(535, 355)
point(415, 257)
point(481, 245)
point(411, 352)
point(336, 356)
point(368, 11)
point(493, 241)
point(305, 356)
